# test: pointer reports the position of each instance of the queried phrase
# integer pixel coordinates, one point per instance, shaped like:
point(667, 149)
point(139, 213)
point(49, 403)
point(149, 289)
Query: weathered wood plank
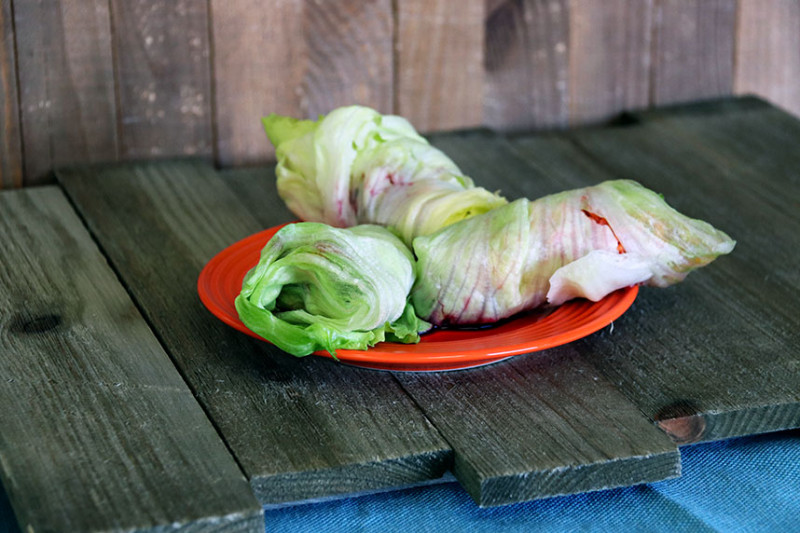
point(66, 84)
point(578, 447)
point(439, 70)
point(10, 137)
point(709, 358)
point(768, 51)
point(541, 425)
point(163, 77)
point(258, 69)
point(527, 64)
point(300, 427)
point(296, 58)
point(255, 189)
point(693, 50)
point(495, 162)
point(99, 430)
point(350, 50)
point(517, 432)
point(609, 57)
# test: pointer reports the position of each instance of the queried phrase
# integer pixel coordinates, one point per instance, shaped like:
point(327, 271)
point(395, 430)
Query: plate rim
point(379, 358)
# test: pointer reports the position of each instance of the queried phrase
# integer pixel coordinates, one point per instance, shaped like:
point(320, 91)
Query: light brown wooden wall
point(100, 80)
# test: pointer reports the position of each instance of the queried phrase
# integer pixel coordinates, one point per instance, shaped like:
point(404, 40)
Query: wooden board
point(256, 71)
point(439, 63)
point(68, 109)
point(295, 58)
point(163, 77)
point(707, 359)
point(10, 136)
point(609, 57)
point(350, 56)
point(520, 430)
point(541, 425)
point(711, 359)
point(300, 427)
point(768, 51)
point(100, 432)
point(527, 64)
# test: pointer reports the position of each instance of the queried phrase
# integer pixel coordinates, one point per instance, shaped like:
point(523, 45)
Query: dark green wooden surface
point(99, 431)
point(526, 429)
point(300, 428)
point(541, 425)
point(734, 328)
point(718, 355)
point(714, 357)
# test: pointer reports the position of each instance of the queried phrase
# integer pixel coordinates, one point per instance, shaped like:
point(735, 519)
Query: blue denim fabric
point(748, 484)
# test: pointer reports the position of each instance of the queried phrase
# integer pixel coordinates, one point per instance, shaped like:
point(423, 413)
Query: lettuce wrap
point(316, 287)
point(356, 166)
point(581, 243)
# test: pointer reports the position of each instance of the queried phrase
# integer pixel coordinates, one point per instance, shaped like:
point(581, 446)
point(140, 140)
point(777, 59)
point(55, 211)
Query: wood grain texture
point(300, 427)
point(163, 78)
point(768, 51)
point(439, 63)
point(541, 425)
point(520, 430)
point(259, 61)
point(609, 57)
point(350, 55)
point(527, 64)
point(497, 162)
point(705, 358)
point(299, 58)
point(66, 84)
point(10, 136)
point(99, 430)
point(710, 358)
point(693, 50)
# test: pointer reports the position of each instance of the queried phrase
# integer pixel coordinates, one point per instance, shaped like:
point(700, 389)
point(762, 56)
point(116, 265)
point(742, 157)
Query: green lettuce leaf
point(316, 287)
point(356, 166)
point(580, 243)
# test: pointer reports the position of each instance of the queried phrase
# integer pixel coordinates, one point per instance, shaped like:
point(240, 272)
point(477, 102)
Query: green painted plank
point(300, 427)
point(716, 356)
point(542, 425)
point(100, 432)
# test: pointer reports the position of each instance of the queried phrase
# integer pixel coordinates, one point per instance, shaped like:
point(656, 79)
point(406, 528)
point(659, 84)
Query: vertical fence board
point(350, 55)
point(163, 77)
point(768, 51)
point(527, 64)
point(299, 58)
point(609, 57)
point(507, 64)
point(693, 50)
point(258, 65)
point(66, 84)
point(440, 63)
point(10, 142)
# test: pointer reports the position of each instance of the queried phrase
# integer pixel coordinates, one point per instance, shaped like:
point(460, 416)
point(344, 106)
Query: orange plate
point(441, 349)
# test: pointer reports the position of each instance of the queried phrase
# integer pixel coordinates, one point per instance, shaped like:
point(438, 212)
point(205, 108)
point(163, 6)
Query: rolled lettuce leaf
point(316, 287)
point(356, 166)
point(580, 243)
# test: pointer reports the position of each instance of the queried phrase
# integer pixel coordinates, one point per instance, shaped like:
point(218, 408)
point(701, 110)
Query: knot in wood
point(38, 324)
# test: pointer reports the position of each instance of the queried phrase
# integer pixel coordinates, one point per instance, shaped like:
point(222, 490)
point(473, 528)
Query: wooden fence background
point(101, 80)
